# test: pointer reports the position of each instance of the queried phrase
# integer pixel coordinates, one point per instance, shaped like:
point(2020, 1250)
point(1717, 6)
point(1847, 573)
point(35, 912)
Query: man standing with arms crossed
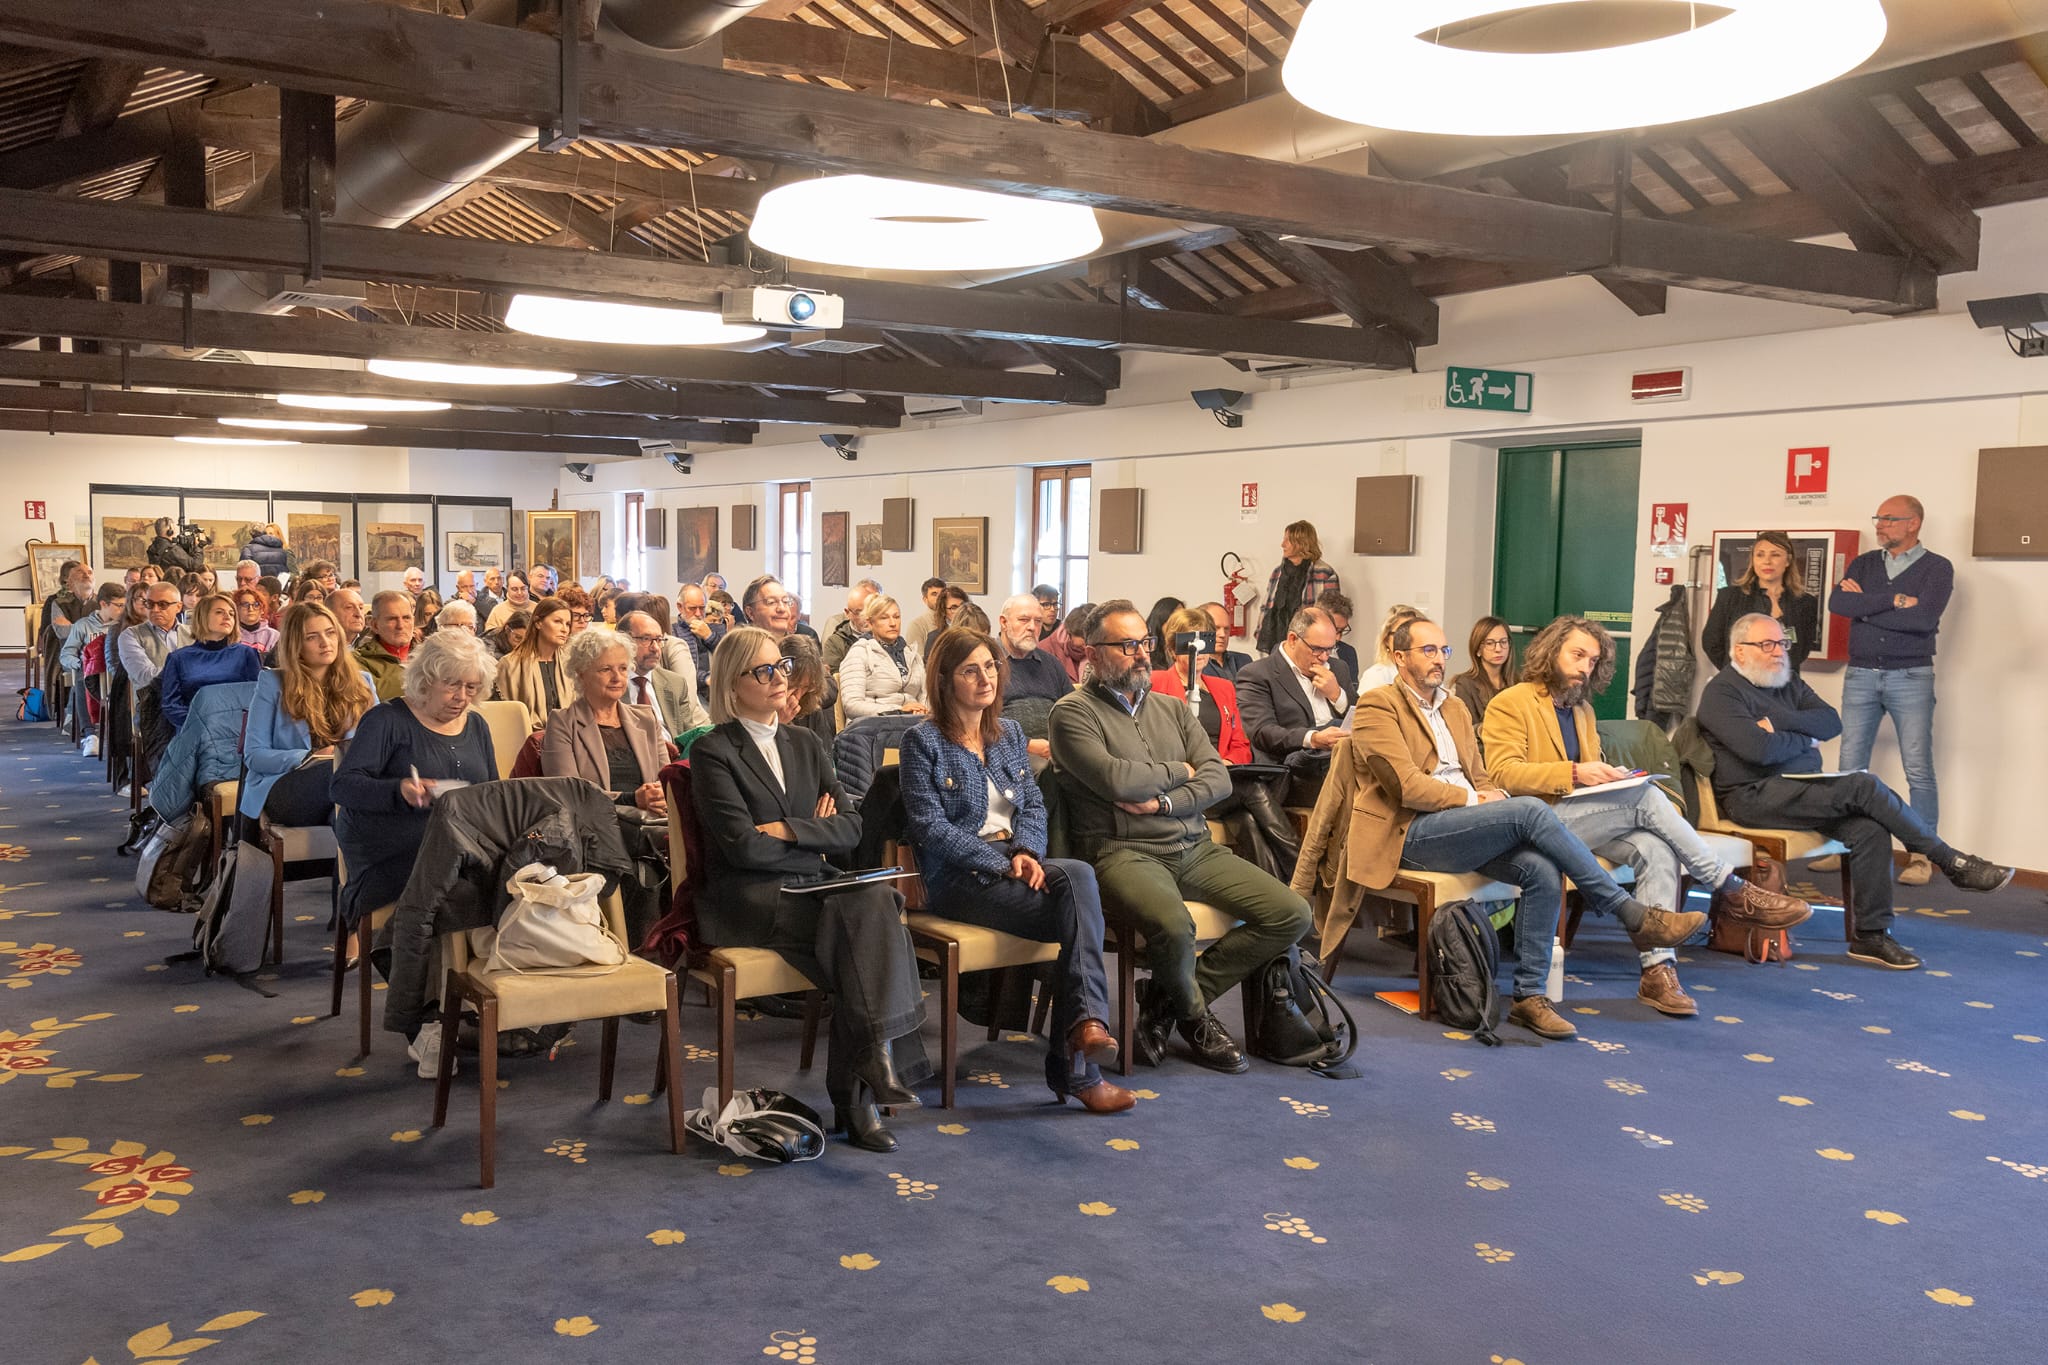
point(1894, 597)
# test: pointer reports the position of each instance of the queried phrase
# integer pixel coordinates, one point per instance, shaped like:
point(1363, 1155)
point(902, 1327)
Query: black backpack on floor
point(1464, 955)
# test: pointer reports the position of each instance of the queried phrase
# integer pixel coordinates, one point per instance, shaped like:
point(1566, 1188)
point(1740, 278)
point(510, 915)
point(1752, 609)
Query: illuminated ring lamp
point(1372, 62)
point(874, 223)
point(621, 324)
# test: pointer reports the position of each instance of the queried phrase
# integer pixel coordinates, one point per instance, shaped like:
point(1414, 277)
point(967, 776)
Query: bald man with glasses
point(1766, 726)
point(1136, 772)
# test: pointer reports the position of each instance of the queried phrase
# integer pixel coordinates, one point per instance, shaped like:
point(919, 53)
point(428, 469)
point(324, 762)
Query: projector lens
point(802, 307)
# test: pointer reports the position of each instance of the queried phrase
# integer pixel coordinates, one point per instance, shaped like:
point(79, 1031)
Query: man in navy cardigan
point(1894, 596)
point(1765, 727)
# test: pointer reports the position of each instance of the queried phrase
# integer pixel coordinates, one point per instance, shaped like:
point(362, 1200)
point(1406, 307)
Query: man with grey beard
point(1765, 726)
point(1136, 772)
point(1540, 739)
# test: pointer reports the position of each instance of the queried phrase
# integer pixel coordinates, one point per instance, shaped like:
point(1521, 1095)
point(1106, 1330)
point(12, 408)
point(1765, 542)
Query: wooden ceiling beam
point(383, 53)
point(80, 424)
point(99, 97)
point(1363, 285)
point(1554, 187)
point(393, 256)
point(681, 403)
point(627, 181)
point(204, 329)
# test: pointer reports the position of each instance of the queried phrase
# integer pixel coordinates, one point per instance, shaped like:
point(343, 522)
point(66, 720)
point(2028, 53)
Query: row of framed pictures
point(959, 550)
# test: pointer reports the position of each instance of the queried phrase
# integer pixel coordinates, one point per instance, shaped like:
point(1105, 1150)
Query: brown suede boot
point(1744, 900)
point(1536, 1015)
point(1661, 992)
point(1665, 928)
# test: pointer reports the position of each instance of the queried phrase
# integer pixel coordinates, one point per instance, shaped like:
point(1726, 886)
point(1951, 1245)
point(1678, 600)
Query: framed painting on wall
point(46, 565)
point(475, 550)
point(960, 552)
point(551, 540)
point(589, 546)
point(395, 546)
point(124, 541)
point(834, 530)
point(867, 544)
point(313, 535)
point(696, 543)
point(228, 538)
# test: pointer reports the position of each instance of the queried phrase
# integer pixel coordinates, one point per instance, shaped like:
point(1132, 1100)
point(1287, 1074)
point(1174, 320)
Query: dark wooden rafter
point(1365, 286)
point(377, 52)
point(1995, 104)
point(103, 424)
point(644, 187)
point(677, 403)
point(101, 94)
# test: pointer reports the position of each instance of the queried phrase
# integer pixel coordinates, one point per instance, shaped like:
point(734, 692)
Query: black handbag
point(1301, 1021)
point(766, 1125)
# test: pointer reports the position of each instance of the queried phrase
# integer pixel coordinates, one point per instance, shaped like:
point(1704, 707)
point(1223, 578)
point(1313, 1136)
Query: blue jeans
point(1519, 840)
point(1642, 829)
point(1907, 696)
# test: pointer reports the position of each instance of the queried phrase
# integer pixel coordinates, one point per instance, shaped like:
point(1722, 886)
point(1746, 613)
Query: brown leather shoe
point(1104, 1097)
point(1536, 1015)
point(1093, 1041)
point(1751, 904)
point(1664, 928)
point(1660, 990)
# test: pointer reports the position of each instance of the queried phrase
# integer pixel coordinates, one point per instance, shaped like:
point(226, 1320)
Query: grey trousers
point(1641, 829)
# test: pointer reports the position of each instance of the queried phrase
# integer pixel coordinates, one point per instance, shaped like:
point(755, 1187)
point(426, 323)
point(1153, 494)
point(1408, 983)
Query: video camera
point(193, 535)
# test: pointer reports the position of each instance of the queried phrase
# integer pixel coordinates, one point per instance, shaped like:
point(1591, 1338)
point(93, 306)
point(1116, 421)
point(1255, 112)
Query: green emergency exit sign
point(1488, 390)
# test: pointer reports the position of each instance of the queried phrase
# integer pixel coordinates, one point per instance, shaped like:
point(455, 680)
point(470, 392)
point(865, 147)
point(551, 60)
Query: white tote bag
point(554, 924)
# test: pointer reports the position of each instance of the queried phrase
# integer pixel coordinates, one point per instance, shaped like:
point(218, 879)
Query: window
point(1059, 531)
point(794, 540)
point(634, 569)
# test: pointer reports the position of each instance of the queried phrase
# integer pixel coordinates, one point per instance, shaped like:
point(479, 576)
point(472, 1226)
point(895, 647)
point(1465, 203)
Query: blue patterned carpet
point(1834, 1163)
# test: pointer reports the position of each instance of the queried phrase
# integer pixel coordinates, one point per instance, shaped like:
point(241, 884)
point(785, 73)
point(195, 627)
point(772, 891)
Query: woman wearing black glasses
point(768, 802)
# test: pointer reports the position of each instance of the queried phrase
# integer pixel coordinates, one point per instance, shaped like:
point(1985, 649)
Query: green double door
point(1565, 545)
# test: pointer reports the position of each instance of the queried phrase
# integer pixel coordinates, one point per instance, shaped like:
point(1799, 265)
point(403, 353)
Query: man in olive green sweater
point(1136, 772)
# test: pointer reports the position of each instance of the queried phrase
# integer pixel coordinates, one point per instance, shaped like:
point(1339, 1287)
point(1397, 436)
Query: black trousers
point(1856, 809)
point(303, 796)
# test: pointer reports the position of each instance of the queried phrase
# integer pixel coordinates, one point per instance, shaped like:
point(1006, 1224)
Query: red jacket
point(1231, 743)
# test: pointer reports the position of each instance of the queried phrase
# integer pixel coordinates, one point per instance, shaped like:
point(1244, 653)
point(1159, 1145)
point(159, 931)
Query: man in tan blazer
point(1542, 740)
point(1423, 802)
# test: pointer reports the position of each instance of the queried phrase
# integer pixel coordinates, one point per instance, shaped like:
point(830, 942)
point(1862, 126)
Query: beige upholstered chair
point(1782, 844)
point(509, 1000)
point(288, 844)
point(511, 724)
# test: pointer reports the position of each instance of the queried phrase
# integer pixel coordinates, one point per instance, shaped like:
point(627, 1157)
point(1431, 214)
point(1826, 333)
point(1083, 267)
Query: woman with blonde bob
point(772, 815)
point(303, 710)
point(881, 672)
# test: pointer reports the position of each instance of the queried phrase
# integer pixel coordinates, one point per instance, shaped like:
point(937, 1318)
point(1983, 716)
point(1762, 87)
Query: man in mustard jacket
point(1541, 740)
point(1424, 802)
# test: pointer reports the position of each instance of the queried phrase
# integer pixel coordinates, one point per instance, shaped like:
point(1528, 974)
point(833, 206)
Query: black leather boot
point(862, 1124)
point(877, 1071)
point(1273, 825)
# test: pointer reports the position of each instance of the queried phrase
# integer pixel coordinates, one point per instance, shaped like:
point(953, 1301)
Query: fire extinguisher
point(1232, 566)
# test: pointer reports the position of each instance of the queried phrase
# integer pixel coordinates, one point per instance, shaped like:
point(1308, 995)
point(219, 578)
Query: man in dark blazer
point(672, 693)
point(1294, 702)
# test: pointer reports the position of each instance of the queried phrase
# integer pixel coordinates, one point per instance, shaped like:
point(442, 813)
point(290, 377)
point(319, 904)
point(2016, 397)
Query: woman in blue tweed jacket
point(979, 826)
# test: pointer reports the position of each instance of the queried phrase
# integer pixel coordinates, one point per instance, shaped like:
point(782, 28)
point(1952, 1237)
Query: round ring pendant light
point(877, 223)
point(621, 324)
point(1374, 62)
point(439, 372)
point(343, 402)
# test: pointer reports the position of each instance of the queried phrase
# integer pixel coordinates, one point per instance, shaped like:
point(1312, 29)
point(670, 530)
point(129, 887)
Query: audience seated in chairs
point(1383, 670)
point(506, 639)
point(1135, 796)
point(304, 709)
point(978, 822)
point(932, 619)
point(88, 691)
point(881, 673)
point(532, 673)
point(383, 651)
point(252, 620)
point(1028, 670)
point(215, 655)
point(1425, 803)
point(1216, 711)
point(1296, 700)
point(457, 615)
point(1335, 605)
point(1764, 723)
point(670, 693)
point(1227, 662)
point(518, 597)
point(1491, 649)
point(1155, 630)
point(352, 612)
point(1541, 740)
point(426, 739)
point(618, 748)
point(811, 691)
point(842, 630)
point(426, 608)
point(770, 809)
point(1069, 644)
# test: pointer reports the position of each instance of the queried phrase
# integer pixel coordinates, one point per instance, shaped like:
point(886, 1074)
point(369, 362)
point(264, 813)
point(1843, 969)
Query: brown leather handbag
point(1728, 932)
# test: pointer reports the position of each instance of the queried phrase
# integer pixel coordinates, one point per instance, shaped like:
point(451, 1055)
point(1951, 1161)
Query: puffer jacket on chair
point(208, 749)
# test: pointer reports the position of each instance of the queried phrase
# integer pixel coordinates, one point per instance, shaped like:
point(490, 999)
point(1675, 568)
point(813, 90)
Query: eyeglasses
point(1343, 632)
point(645, 639)
point(1882, 520)
point(990, 671)
point(579, 618)
point(1768, 646)
point(1319, 651)
point(1131, 648)
point(1501, 643)
point(766, 674)
point(161, 603)
point(1429, 651)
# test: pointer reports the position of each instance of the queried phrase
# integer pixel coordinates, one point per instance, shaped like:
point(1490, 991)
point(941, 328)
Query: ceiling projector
point(780, 306)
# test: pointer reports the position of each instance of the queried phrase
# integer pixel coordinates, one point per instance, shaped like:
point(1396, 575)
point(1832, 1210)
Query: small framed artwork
point(696, 543)
point(654, 531)
point(124, 541)
point(46, 564)
point(551, 540)
point(960, 552)
point(834, 530)
point(475, 550)
point(867, 544)
point(745, 525)
point(395, 546)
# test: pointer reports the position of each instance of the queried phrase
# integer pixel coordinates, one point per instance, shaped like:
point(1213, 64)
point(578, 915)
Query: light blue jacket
point(205, 751)
point(273, 743)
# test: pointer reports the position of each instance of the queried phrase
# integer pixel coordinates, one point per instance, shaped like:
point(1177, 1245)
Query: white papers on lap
point(1598, 788)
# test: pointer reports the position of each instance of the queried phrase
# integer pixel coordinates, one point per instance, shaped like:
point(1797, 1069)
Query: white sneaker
point(121, 790)
point(426, 1050)
point(91, 746)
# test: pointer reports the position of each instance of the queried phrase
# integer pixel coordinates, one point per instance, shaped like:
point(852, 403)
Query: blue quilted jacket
point(945, 801)
point(858, 749)
point(208, 748)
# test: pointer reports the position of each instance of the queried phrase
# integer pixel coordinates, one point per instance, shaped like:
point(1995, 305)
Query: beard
point(1133, 678)
point(1568, 695)
point(1766, 674)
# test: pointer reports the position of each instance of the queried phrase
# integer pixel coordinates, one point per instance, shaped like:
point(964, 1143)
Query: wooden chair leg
point(1126, 995)
point(363, 974)
point(451, 1016)
point(1005, 977)
point(340, 964)
point(276, 901)
point(949, 1021)
point(672, 1063)
point(728, 983)
point(1425, 911)
point(814, 1014)
point(487, 1088)
point(607, 1058)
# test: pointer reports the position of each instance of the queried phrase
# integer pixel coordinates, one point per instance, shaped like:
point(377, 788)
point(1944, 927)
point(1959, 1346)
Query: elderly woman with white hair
point(456, 615)
point(427, 740)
